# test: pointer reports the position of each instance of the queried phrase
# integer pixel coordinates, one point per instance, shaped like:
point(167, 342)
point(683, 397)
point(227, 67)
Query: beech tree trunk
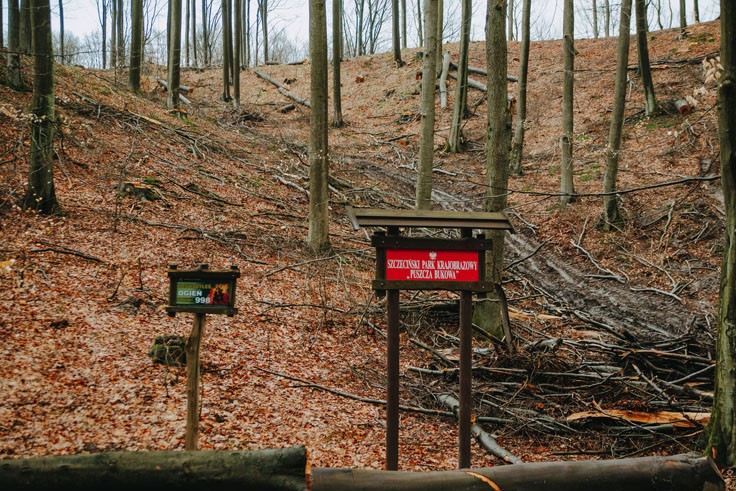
point(461, 89)
point(24, 44)
point(14, 75)
point(237, 44)
point(611, 214)
point(396, 33)
point(426, 137)
point(319, 196)
point(40, 195)
point(567, 187)
point(488, 313)
point(722, 427)
point(174, 58)
point(645, 70)
point(136, 45)
point(337, 121)
point(517, 147)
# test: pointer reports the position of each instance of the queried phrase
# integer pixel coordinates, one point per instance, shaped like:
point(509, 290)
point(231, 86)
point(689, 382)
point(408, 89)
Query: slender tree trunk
point(359, 25)
point(41, 195)
point(567, 187)
point(319, 234)
point(696, 12)
point(420, 17)
point(226, 53)
point(114, 34)
point(683, 16)
point(264, 26)
point(611, 214)
point(25, 27)
point(2, 40)
point(517, 148)
point(121, 33)
point(488, 312)
point(337, 120)
point(650, 99)
point(62, 53)
point(136, 45)
point(174, 62)
point(396, 33)
point(426, 140)
point(236, 54)
point(247, 33)
point(595, 19)
point(15, 76)
point(403, 25)
point(510, 9)
point(187, 21)
point(461, 89)
point(722, 427)
point(440, 34)
point(194, 32)
point(607, 18)
point(103, 26)
point(205, 35)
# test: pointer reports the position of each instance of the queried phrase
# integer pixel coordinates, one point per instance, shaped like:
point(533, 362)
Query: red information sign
point(429, 265)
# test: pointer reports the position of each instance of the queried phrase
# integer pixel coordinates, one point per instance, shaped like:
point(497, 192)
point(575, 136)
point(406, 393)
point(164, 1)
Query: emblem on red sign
point(429, 265)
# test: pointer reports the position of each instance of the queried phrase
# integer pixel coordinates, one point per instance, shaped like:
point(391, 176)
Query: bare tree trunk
point(517, 148)
point(567, 187)
point(136, 45)
point(237, 54)
point(15, 76)
point(337, 121)
point(722, 427)
point(420, 17)
point(611, 214)
point(246, 41)
point(403, 25)
point(607, 17)
point(102, 12)
point(121, 33)
point(650, 99)
point(396, 33)
point(319, 234)
point(187, 21)
point(488, 312)
point(114, 34)
point(461, 89)
point(62, 53)
point(696, 12)
point(595, 19)
point(227, 58)
point(205, 35)
point(41, 195)
point(174, 57)
point(195, 55)
point(25, 27)
point(683, 16)
point(359, 25)
point(426, 139)
point(440, 33)
point(511, 26)
point(2, 40)
point(264, 25)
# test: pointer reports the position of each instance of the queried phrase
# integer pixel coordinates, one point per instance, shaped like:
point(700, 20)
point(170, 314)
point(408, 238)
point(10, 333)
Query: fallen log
point(288, 469)
point(267, 470)
point(282, 89)
point(182, 98)
point(677, 473)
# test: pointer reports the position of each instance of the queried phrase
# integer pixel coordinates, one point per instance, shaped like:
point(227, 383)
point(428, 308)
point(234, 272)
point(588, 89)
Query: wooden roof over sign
point(373, 217)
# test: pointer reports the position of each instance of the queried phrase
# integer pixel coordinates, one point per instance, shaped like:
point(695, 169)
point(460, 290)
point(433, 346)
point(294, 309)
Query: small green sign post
point(201, 292)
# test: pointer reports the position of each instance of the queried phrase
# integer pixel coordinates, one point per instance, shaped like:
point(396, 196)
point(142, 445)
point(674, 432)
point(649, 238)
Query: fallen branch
point(282, 89)
point(484, 439)
point(65, 250)
point(182, 98)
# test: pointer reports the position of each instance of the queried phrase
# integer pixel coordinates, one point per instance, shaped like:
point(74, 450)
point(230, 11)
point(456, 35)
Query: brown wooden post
point(392, 371)
point(466, 372)
point(192, 349)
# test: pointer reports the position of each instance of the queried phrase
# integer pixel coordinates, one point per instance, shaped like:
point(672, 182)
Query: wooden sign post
point(201, 292)
point(422, 263)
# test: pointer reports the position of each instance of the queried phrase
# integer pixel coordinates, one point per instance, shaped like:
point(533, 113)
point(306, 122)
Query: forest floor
point(605, 323)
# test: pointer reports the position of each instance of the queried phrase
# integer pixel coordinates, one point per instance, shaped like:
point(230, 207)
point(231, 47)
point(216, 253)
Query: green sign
point(202, 291)
point(198, 292)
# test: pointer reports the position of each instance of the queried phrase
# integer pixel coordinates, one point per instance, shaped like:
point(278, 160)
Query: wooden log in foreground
point(261, 470)
point(678, 473)
point(288, 470)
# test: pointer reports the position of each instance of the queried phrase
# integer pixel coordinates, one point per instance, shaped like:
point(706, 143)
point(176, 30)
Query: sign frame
point(204, 276)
